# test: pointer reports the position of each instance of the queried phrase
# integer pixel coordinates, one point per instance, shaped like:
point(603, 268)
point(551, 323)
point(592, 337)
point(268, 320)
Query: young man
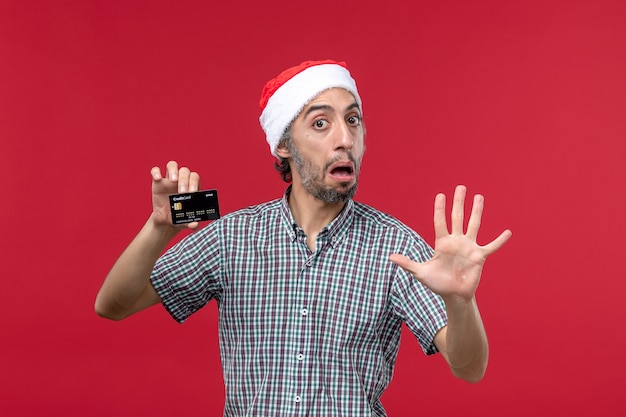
point(312, 288)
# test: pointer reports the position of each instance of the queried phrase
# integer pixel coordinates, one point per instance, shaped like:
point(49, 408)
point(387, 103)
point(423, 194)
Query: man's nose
point(344, 138)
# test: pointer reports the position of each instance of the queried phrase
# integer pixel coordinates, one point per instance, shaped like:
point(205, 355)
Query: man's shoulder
point(262, 216)
point(268, 208)
point(374, 218)
point(366, 213)
point(388, 230)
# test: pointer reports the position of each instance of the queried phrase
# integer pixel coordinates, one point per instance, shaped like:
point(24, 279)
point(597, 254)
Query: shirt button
point(300, 356)
point(297, 398)
point(304, 311)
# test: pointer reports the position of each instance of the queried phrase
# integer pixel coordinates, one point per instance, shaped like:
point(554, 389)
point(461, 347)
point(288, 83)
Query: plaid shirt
point(303, 333)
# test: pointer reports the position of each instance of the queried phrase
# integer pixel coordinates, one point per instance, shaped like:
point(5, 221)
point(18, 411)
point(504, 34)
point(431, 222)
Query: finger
point(172, 170)
point(497, 243)
point(155, 172)
point(458, 206)
point(183, 179)
point(441, 226)
point(473, 225)
point(193, 225)
point(194, 182)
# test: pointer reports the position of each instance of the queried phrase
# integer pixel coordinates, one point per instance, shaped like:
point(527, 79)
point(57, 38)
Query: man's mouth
point(342, 170)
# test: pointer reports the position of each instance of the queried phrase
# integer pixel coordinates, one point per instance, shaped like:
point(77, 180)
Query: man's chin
point(340, 194)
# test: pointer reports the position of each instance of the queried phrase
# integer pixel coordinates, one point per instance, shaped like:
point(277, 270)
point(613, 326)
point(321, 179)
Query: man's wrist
point(161, 232)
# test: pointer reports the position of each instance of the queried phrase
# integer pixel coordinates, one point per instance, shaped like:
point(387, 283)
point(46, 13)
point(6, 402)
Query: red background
point(521, 101)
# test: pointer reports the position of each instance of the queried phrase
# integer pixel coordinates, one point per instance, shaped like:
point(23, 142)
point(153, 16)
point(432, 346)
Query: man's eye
point(354, 120)
point(320, 124)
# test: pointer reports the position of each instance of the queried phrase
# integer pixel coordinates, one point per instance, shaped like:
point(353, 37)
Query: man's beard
point(313, 178)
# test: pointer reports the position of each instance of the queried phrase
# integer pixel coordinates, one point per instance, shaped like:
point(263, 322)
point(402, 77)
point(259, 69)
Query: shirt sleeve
point(188, 275)
point(421, 310)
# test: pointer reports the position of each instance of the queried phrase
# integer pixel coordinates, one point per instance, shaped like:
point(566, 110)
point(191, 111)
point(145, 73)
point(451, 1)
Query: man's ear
point(283, 152)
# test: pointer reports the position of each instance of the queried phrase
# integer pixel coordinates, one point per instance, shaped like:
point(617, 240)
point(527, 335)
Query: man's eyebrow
point(317, 107)
point(327, 107)
point(354, 105)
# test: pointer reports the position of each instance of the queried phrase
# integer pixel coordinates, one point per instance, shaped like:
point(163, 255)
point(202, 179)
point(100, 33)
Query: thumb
point(193, 225)
point(405, 263)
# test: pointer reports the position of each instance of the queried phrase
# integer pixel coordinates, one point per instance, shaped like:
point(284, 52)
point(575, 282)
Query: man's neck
point(311, 214)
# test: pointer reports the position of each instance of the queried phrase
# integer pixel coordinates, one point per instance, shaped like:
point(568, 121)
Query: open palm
point(454, 270)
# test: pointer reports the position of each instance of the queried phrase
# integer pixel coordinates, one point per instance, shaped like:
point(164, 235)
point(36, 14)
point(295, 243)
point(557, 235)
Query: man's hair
point(282, 164)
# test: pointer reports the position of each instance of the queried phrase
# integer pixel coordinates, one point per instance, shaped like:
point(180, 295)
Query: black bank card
point(194, 207)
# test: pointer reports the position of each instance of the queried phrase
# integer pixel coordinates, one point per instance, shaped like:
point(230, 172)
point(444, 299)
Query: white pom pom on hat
point(284, 97)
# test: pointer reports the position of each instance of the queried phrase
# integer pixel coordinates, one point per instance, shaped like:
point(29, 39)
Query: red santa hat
point(284, 97)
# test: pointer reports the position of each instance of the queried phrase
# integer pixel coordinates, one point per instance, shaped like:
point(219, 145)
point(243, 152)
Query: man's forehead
point(328, 98)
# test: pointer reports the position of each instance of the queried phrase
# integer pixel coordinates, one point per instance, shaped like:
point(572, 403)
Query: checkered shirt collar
point(334, 231)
